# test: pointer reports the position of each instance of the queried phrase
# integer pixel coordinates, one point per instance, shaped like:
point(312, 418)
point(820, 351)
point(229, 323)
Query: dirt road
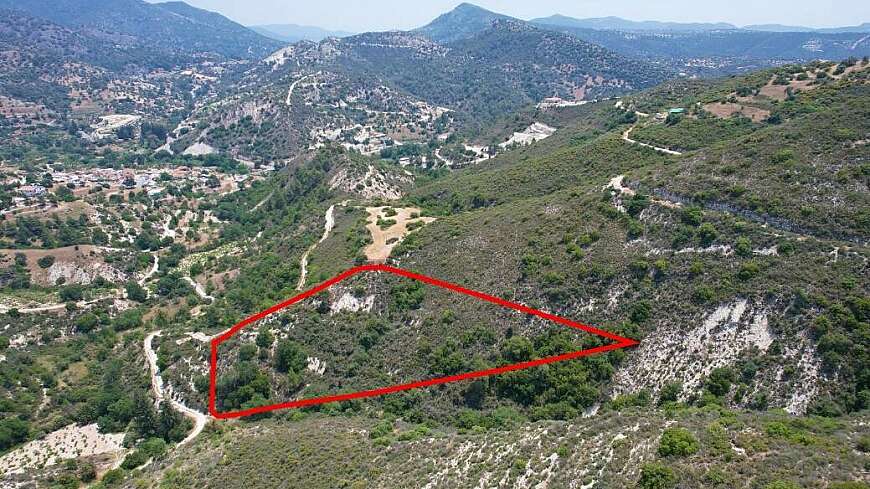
point(626, 138)
point(160, 394)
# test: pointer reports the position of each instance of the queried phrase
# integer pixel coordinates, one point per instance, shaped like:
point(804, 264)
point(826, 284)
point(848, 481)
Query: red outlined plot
point(619, 342)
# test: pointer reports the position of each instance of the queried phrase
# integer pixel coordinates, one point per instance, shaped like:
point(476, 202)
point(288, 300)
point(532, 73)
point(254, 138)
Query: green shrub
point(290, 356)
point(677, 442)
point(12, 432)
point(849, 485)
point(707, 234)
point(112, 477)
point(670, 392)
point(134, 459)
point(719, 381)
point(779, 484)
point(656, 476)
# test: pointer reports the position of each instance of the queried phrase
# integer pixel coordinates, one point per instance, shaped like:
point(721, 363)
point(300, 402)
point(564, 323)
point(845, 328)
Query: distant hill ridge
point(176, 26)
point(620, 24)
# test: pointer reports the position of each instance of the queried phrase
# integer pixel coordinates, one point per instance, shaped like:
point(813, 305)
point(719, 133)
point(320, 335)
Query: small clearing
point(385, 239)
point(532, 134)
point(73, 264)
point(729, 109)
point(108, 124)
point(289, 100)
point(373, 184)
point(199, 149)
point(199, 289)
point(69, 442)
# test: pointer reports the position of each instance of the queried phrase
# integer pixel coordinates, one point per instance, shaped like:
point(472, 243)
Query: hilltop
point(462, 22)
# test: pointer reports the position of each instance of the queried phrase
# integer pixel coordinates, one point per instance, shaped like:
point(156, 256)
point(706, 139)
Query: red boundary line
point(621, 342)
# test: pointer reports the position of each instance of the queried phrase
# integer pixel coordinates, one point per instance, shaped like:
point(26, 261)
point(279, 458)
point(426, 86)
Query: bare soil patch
point(75, 264)
point(384, 239)
point(726, 110)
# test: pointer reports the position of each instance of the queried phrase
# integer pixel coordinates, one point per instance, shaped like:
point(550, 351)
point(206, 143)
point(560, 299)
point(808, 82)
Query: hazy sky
point(369, 15)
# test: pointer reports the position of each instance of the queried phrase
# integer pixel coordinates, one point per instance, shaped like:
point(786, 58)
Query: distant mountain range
point(865, 27)
point(620, 24)
point(694, 48)
point(295, 33)
point(174, 26)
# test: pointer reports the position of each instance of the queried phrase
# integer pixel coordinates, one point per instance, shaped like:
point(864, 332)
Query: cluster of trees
point(844, 345)
point(560, 391)
point(114, 406)
point(246, 385)
point(51, 233)
point(16, 275)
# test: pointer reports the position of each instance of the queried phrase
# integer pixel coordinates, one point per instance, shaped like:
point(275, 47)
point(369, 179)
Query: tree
point(136, 292)
point(670, 392)
point(677, 442)
point(517, 349)
point(743, 247)
point(87, 472)
point(265, 338)
point(636, 204)
point(128, 319)
point(719, 382)
point(247, 352)
point(289, 355)
point(12, 432)
point(46, 261)
point(656, 476)
point(87, 322)
point(71, 293)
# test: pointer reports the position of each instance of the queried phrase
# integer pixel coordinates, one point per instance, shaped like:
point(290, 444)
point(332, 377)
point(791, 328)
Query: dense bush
point(677, 442)
point(656, 476)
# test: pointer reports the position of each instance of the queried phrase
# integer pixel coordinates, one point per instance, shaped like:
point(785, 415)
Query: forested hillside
point(155, 193)
point(593, 226)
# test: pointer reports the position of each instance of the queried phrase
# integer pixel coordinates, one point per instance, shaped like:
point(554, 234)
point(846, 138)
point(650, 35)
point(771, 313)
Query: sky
point(379, 15)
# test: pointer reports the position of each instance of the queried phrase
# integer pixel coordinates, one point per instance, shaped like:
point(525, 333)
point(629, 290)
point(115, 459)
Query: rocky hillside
point(405, 88)
point(737, 307)
point(173, 26)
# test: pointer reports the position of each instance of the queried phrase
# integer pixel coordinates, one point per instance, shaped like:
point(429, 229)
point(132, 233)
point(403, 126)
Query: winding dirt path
point(289, 101)
point(4, 308)
point(263, 202)
point(199, 289)
point(626, 138)
point(303, 262)
point(160, 394)
point(150, 272)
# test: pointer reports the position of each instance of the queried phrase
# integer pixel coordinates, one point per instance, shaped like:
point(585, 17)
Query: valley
point(688, 187)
